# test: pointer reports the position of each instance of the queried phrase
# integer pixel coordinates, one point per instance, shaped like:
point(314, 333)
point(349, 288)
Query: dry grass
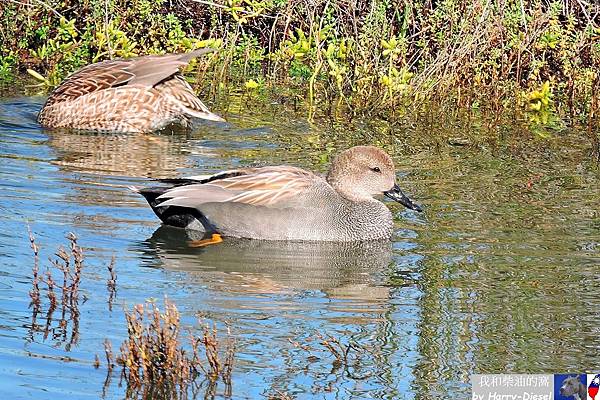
point(34, 293)
point(347, 357)
point(155, 363)
point(279, 395)
point(70, 264)
point(111, 283)
point(61, 295)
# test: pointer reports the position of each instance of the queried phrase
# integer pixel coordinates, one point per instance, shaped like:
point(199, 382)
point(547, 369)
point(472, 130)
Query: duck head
point(362, 172)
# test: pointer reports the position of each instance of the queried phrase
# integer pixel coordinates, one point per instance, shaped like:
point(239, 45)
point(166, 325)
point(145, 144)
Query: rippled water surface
point(501, 273)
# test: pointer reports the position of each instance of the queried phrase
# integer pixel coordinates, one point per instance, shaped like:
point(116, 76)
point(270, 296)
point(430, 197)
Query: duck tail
point(204, 114)
point(183, 93)
point(187, 57)
point(172, 215)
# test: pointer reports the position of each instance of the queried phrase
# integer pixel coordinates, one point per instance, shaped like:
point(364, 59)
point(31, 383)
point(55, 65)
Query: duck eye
point(375, 169)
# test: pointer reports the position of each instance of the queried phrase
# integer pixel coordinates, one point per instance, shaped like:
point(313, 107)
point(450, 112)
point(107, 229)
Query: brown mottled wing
point(142, 71)
point(90, 79)
point(150, 70)
point(268, 187)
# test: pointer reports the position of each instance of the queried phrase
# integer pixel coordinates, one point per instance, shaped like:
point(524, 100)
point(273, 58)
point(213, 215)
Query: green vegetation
point(382, 57)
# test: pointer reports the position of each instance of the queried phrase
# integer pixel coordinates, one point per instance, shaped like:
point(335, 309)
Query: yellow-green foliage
point(376, 55)
point(539, 100)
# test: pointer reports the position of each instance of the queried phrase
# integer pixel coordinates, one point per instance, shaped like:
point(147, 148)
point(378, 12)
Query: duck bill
point(396, 194)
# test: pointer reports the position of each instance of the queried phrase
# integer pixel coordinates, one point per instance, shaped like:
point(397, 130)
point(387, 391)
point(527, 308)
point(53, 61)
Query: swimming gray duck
point(140, 94)
point(285, 202)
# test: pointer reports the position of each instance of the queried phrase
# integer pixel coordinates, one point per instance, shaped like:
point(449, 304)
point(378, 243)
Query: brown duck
point(141, 94)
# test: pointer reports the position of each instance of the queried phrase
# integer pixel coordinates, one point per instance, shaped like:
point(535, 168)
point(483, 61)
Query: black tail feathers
point(177, 216)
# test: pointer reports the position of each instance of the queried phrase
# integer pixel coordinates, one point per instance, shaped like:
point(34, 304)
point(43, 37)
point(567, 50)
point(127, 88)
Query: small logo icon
point(570, 387)
point(593, 387)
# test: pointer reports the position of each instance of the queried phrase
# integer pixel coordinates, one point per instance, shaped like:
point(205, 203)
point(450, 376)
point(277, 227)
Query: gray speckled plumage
point(141, 94)
point(288, 203)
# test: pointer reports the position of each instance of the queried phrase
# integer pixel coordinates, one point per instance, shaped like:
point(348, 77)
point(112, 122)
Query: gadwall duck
point(141, 94)
point(286, 203)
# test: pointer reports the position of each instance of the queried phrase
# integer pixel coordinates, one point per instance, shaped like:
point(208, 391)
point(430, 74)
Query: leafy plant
point(373, 59)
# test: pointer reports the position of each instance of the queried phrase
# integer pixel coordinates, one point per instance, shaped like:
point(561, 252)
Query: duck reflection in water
point(353, 270)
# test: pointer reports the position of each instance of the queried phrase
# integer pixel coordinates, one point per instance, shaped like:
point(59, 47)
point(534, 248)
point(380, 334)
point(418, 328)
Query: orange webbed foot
point(214, 239)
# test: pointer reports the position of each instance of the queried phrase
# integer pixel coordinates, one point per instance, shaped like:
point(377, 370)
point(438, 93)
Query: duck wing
point(151, 70)
point(273, 187)
point(144, 71)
